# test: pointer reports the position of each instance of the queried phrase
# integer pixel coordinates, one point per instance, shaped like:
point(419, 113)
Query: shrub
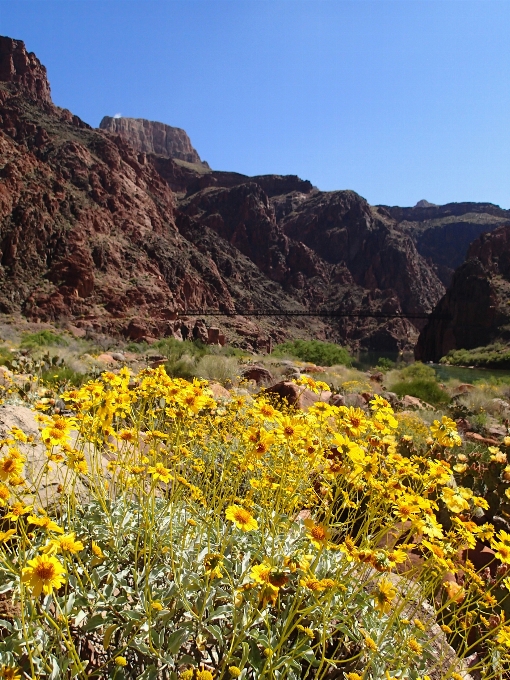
point(385, 364)
point(418, 370)
point(218, 368)
point(314, 351)
point(426, 390)
point(63, 375)
point(491, 356)
point(43, 338)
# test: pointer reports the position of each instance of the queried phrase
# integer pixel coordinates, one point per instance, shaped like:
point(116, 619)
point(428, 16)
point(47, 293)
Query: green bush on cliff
point(314, 351)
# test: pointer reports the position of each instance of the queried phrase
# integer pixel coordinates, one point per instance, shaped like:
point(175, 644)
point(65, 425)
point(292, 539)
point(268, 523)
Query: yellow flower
point(66, 543)
point(213, 564)
point(204, 675)
point(234, 671)
point(242, 518)
point(159, 471)
point(43, 574)
point(290, 428)
point(186, 675)
point(5, 535)
point(120, 661)
point(265, 573)
point(415, 646)
point(317, 533)
point(353, 420)
point(353, 676)
point(4, 495)
point(9, 673)
point(455, 592)
point(97, 551)
point(455, 499)
point(11, 466)
point(18, 510)
point(445, 432)
point(370, 644)
point(383, 596)
point(45, 523)
point(502, 552)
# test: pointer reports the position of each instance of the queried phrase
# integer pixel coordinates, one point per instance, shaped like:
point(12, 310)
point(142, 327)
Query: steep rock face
point(475, 306)
point(343, 229)
point(443, 233)
point(152, 137)
point(24, 70)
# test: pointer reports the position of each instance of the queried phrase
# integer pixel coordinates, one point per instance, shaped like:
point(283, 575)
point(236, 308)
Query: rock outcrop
point(443, 233)
point(23, 70)
point(475, 310)
point(147, 136)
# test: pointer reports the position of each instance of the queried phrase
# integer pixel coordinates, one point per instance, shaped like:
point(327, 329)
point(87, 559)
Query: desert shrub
point(63, 375)
point(183, 366)
point(218, 368)
point(418, 371)
point(44, 338)
point(384, 364)
point(173, 546)
point(314, 351)
point(137, 347)
point(5, 356)
point(426, 390)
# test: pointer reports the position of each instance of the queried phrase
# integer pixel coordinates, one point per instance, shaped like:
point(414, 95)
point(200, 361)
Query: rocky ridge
point(443, 233)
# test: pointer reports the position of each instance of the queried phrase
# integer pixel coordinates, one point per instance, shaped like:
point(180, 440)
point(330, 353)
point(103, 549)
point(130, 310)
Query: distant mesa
point(425, 204)
point(152, 137)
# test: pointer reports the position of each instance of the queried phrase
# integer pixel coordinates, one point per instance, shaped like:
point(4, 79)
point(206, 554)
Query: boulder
point(118, 356)
point(106, 358)
point(295, 395)
point(337, 400)
point(213, 336)
point(463, 388)
point(413, 402)
point(259, 374)
point(478, 439)
point(391, 398)
point(315, 369)
point(355, 400)
point(218, 391)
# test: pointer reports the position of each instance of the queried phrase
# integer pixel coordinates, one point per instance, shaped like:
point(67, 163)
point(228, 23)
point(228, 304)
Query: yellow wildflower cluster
point(281, 522)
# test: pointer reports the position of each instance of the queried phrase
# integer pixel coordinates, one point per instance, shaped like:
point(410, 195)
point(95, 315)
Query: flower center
point(318, 533)
point(45, 571)
point(242, 516)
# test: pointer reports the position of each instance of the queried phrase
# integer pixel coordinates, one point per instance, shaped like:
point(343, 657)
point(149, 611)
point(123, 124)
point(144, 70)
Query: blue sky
point(398, 100)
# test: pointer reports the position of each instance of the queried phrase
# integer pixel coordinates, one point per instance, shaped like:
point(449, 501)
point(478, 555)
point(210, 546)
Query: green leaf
point(94, 622)
point(215, 631)
point(176, 639)
point(108, 635)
